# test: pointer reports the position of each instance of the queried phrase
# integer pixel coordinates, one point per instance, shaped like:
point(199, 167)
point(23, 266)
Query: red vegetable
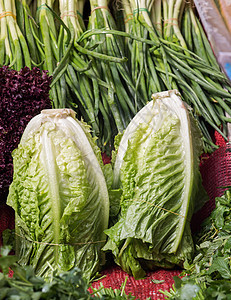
point(23, 94)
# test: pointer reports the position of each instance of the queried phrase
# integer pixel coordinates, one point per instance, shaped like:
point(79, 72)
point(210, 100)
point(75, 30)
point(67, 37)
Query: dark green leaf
point(6, 260)
point(219, 290)
point(227, 246)
point(220, 264)
point(177, 282)
point(219, 216)
point(8, 237)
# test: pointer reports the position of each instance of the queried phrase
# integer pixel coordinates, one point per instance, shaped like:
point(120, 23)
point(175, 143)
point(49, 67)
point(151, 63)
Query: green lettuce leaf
point(60, 196)
point(157, 168)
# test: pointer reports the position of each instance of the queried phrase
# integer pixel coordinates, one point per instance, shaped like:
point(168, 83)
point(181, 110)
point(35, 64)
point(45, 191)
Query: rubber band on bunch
point(60, 244)
point(99, 7)
point(158, 25)
point(74, 14)
point(128, 18)
point(7, 14)
point(171, 22)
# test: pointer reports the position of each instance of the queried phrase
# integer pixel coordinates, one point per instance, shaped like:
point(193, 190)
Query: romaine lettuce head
point(157, 168)
point(59, 195)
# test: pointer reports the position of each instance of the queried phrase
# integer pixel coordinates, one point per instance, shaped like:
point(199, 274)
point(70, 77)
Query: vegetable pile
point(23, 95)
point(107, 60)
point(62, 194)
point(208, 277)
point(137, 80)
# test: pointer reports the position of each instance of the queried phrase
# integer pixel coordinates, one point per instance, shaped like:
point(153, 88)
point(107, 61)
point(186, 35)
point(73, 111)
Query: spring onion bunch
point(14, 50)
point(122, 100)
point(48, 37)
point(197, 73)
point(197, 37)
point(173, 64)
point(29, 29)
point(86, 91)
point(80, 92)
point(143, 64)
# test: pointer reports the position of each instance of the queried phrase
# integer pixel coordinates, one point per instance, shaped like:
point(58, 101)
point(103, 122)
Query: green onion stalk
point(141, 10)
point(116, 9)
point(122, 100)
point(203, 49)
point(14, 50)
point(80, 13)
point(29, 29)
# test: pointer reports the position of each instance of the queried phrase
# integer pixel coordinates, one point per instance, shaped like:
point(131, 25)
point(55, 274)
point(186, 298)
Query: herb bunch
point(209, 276)
point(25, 285)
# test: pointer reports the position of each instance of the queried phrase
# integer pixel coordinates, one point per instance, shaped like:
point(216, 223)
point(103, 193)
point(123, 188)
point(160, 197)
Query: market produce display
point(136, 82)
point(208, 277)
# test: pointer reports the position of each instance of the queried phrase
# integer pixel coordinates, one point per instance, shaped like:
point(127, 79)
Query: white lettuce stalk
point(157, 168)
point(60, 195)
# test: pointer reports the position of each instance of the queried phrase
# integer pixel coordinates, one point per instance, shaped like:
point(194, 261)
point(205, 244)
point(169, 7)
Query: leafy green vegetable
point(221, 265)
point(70, 285)
point(210, 272)
point(6, 260)
point(60, 196)
point(157, 168)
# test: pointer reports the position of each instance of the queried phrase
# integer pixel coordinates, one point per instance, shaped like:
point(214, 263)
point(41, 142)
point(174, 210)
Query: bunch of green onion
point(79, 87)
point(14, 50)
point(87, 91)
point(122, 100)
point(106, 69)
point(169, 50)
point(50, 54)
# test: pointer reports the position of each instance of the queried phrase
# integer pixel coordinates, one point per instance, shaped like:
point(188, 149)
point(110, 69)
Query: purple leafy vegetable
point(23, 94)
